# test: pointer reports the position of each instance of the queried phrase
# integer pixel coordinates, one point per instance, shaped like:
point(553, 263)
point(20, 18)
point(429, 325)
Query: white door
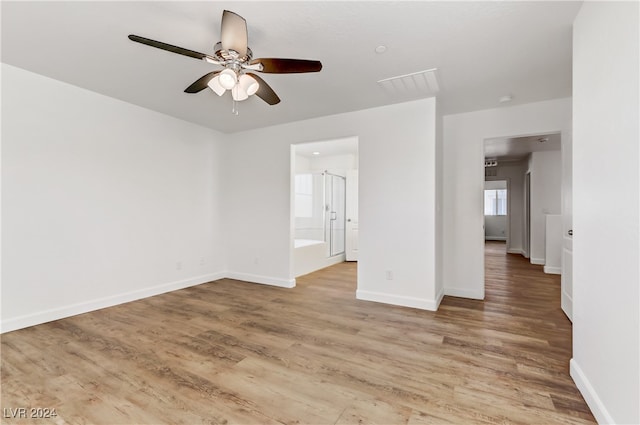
point(352, 216)
point(566, 282)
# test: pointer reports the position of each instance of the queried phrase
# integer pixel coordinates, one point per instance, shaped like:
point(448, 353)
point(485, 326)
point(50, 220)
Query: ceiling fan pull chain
point(234, 109)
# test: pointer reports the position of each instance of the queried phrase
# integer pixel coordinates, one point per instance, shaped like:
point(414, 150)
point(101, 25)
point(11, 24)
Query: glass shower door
point(336, 208)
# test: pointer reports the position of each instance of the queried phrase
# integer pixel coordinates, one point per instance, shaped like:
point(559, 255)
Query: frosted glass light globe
point(228, 79)
point(238, 93)
point(214, 85)
point(249, 84)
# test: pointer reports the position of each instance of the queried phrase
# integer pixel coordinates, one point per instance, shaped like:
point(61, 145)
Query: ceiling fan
point(236, 58)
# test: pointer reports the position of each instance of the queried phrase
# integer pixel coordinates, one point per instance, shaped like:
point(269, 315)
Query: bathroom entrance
point(321, 172)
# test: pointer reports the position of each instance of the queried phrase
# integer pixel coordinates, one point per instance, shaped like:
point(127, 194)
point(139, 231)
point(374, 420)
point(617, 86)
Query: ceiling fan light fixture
point(214, 85)
point(248, 84)
point(233, 54)
point(238, 93)
point(228, 79)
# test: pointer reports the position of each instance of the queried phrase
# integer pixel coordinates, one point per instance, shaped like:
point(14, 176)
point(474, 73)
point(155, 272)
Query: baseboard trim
point(495, 238)
point(594, 402)
point(515, 251)
point(552, 270)
point(263, 280)
point(40, 317)
point(404, 301)
point(537, 261)
point(477, 294)
point(567, 305)
point(439, 297)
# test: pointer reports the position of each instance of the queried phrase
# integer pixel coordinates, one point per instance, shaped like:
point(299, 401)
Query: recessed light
point(543, 139)
point(381, 49)
point(316, 153)
point(505, 98)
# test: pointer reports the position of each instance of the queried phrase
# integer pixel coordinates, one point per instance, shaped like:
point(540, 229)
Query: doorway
point(531, 165)
point(322, 212)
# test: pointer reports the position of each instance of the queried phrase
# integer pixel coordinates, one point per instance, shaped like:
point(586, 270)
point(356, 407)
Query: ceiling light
point(316, 153)
point(381, 49)
point(228, 79)
point(543, 139)
point(248, 84)
point(505, 98)
point(214, 85)
point(239, 93)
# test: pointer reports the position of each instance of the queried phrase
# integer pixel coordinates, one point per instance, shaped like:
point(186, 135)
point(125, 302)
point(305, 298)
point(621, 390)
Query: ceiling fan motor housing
point(230, 56)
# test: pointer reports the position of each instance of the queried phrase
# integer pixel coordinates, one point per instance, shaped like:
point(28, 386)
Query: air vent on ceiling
point(421, 82)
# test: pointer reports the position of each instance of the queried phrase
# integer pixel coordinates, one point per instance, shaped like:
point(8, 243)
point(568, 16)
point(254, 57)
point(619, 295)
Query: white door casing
point(352, 216)
point(566, 282)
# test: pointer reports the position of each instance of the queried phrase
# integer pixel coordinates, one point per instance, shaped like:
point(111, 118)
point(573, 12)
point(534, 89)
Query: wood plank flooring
point(230, 352)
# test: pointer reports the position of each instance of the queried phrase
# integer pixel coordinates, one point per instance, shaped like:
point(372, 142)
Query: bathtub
point(301, 243)
point(311, 255)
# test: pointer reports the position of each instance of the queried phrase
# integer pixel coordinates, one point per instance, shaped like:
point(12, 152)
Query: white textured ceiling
point(515, 148)
point(482, 50)
point(347, 146)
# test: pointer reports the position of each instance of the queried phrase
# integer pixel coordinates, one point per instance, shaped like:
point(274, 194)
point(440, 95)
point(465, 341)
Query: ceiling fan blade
point(168, 47)
point(201, 83)
point(233, 34)
point(287, 66)
point(265, 92)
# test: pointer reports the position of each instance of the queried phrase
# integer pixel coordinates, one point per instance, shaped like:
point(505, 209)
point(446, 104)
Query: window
point(495, 202)
point(304, 195)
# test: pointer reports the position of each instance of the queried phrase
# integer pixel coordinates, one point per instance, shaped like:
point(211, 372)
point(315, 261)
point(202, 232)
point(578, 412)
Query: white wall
point(546, 185)
point(302, 164)
point(553, 244)
point(606, 241)
point(495, 227)
point(464, 176)
point(396, 200)
point(337, 164)
point(101, 200)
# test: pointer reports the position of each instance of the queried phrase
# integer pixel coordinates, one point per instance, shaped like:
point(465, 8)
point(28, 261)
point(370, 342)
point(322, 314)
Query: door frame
point(351, 253)
point(526, 248)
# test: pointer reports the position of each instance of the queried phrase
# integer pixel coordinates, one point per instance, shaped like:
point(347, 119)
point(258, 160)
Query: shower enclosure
point(320, 211)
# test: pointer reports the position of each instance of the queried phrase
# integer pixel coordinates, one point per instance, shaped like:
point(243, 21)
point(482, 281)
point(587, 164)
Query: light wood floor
point(234, 352)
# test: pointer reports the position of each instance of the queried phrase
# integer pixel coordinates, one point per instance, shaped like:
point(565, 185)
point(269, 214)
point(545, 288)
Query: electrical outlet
point(389, 274)
point(256, 260)
point(202, 261)
point(179, 265)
